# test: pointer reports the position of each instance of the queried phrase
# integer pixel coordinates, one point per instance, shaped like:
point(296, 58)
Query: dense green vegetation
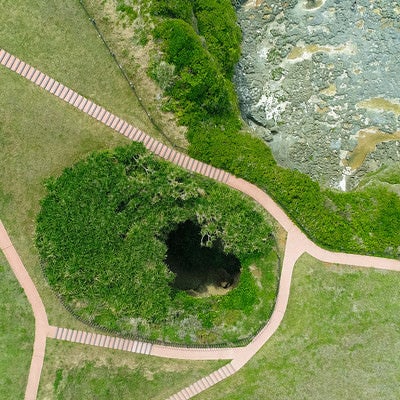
point(201, 55)
point(16, 335)
point(102, 235)
point(339, 339)
point(202, 41)
point(214, 20)
point(201, 90)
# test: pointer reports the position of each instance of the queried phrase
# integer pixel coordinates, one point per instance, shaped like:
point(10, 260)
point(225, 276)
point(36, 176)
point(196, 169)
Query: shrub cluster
point(200, 88)
point(203, 55)
point(101, 235)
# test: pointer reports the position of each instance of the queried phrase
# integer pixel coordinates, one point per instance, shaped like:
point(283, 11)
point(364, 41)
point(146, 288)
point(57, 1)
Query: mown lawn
point(17, 328)
point(39, 137)
point(57, 38)
point(74, 371)
point(339, 340)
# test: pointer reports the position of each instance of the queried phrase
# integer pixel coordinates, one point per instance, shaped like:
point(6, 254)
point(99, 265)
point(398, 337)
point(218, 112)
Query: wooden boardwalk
point(39, 312)
point(204, 383)
point(96, 339)
point(102, 115)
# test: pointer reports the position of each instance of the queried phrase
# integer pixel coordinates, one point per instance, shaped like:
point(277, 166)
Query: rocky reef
point(319, 82)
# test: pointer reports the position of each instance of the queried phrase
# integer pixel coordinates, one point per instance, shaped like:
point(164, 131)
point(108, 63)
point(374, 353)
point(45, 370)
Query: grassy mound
point(102, 235)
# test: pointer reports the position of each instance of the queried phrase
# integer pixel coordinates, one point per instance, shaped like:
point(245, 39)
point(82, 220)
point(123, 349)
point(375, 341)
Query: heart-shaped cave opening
point(200, 270)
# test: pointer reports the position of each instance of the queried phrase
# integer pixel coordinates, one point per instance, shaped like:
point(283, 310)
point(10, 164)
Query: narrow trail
point(297, 243)
point(39, 312)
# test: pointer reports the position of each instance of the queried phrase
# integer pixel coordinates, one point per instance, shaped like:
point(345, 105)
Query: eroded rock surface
point(316, 76)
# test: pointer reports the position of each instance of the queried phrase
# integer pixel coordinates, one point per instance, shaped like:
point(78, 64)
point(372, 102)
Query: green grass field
point(339, 339)
point(39, 136)
point(73, 371)
point(17, 330)
point(57, 38)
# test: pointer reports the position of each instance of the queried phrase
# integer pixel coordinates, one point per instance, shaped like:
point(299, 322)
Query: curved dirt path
point(297, 244)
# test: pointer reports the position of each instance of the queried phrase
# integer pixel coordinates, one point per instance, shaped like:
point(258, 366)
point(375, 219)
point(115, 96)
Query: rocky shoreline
point(315, 77)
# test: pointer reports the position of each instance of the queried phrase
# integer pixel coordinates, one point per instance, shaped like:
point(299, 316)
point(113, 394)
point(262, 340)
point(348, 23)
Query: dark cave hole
point(197, 267)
